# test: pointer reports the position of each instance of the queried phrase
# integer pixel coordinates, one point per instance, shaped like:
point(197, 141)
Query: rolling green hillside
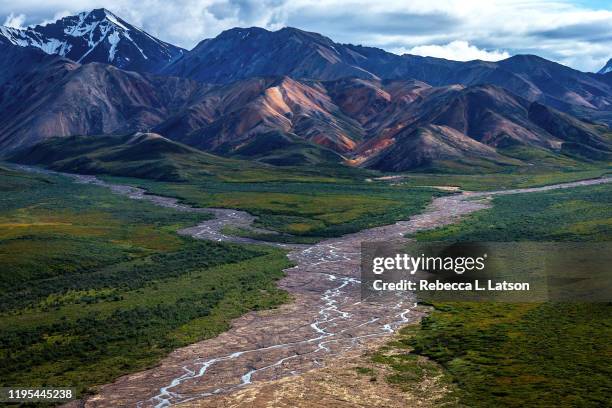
point(150, 156)
point(144, 155)
point(282, 149)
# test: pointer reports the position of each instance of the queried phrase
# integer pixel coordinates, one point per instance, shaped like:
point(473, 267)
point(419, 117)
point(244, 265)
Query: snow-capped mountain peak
point(97, 36)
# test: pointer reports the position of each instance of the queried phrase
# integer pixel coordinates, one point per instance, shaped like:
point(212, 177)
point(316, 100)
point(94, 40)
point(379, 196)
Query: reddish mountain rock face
point(58, 97)
point(389, 125)
point(466, 126)
point(429, 145)
point(228, 116)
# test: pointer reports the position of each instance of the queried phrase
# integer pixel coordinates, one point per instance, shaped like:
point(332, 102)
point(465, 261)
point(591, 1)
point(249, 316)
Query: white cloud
point(57, 16)
point(456, 50)
point(15, 20)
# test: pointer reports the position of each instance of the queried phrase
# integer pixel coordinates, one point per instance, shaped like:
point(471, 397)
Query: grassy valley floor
point(301, 211)
point(502, 180)
point(310, 209)
point(95, 285)
point(516, 355)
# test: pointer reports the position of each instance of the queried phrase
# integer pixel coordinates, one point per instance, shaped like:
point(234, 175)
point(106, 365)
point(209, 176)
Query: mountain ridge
point(64, 98)
point(363, 122)
point(240, 53)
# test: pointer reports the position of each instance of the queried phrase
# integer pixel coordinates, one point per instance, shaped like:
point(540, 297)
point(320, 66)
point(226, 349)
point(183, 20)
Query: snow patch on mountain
point(55, 46)
point(113, 19)
point(113, 39)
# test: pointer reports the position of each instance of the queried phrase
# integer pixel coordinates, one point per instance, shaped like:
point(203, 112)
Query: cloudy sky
point(577, 33)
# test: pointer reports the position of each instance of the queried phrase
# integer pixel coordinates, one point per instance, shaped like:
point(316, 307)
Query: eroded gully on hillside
point(325, 320)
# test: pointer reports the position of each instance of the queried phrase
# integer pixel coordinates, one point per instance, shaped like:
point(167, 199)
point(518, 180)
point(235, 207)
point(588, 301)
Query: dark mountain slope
point(438, 148)
point(560, 86)
point(606, 68)
point(282, 120)
point(579, 138)
point(361, 119)
point(242, 53)
point(17, 60)
point(491, 116)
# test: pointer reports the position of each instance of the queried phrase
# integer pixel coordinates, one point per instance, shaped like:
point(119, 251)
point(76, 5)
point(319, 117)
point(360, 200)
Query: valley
point(325, 319)
point(111, 286)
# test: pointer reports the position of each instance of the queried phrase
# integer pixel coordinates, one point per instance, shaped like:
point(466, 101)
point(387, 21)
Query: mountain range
point(291, 97)
point(243, 53)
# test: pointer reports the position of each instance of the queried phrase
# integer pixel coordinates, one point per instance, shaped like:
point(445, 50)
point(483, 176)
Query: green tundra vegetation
point(517, 355)
point(308, 211)
point(150, 156)
point(502, 180)
point(94, 285)
point(310, 202)
point(576, 214)
point(304, 203)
